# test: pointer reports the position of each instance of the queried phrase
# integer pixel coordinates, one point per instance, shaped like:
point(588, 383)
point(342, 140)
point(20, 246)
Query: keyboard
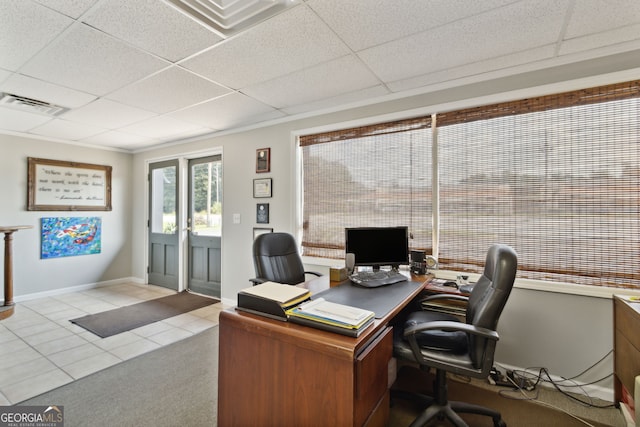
point(373, 279)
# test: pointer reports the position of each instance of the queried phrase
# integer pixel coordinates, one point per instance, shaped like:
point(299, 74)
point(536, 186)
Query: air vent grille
point(31, 105)
point(228, 17)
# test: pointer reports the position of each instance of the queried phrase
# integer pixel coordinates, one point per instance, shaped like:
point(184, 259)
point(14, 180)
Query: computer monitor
point(378, 246)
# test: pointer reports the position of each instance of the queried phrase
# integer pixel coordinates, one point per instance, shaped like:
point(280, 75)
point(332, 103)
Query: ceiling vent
point(30, 105)
point(229, 17)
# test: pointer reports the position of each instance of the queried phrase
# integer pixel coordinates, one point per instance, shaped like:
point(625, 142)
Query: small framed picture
point(262, 187)
point(263, 160)
point(262, 213)
point(260, 230)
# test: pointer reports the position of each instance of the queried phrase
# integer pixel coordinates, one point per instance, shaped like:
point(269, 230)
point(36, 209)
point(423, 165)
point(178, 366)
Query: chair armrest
point(449, 326)
point(460, 364)
point(315, 273)
point(452, 297)
point(257, 281)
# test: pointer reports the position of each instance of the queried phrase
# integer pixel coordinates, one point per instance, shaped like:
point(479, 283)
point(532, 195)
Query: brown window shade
point(370, 178)
point(542, 103)
point(557, 177)
point(561, 186)
point(378, 129)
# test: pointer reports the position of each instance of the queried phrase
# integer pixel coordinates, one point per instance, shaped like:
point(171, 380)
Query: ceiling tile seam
point(608, 30)
point(195, 104)
point(131, 45)
point(229, 88)
point(565, 24)
point(354, 53)
point(52, 42)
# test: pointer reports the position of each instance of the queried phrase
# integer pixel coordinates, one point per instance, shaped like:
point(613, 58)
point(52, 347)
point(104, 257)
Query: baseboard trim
point(590, 390)
point(78, 288)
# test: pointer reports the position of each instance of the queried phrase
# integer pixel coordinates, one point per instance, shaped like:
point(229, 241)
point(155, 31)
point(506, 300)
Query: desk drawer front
point(626, 321)
point(371, 375)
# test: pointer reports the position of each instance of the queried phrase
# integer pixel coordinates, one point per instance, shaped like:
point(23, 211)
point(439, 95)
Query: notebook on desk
point(380, 300)
point(330, 316)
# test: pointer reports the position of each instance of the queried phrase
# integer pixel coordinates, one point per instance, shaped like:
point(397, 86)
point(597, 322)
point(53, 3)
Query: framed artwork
point(263, 160)
point(262, 213)
point(55, 185)
point(259, 230)
point(70, 236)
point(262, 187)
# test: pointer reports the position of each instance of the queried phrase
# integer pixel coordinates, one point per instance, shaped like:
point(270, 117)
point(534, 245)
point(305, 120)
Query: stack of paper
point(271, 299)
point(331, 316)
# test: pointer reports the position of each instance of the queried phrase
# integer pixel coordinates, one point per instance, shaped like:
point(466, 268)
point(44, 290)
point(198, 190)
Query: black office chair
point(276, 259)
point(445, 343)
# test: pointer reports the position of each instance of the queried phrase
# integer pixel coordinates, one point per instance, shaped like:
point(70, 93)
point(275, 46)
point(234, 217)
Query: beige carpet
point(515, 412)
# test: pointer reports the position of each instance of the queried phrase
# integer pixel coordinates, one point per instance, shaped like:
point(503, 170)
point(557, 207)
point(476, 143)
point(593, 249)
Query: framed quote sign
point(55, 185)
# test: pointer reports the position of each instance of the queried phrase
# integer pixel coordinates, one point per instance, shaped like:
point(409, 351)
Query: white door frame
point(182, 203)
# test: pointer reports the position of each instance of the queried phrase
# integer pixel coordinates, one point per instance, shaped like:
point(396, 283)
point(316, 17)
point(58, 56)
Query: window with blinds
point(373, 176)
point(556, 177)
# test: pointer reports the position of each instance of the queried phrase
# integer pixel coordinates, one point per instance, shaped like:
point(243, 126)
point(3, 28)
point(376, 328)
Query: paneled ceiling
point(134, 74)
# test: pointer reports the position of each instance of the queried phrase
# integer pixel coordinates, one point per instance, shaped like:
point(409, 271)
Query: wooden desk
point(280, 374)
point(626, 349)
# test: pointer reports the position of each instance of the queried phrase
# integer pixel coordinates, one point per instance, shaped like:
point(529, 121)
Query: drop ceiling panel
point(108, 114)
point(479, 70)
point(117, 139)
point(363, 24)
point(169, 90)
point(164, 128)
point(596, 16)
point(154, 26)
point(4, 74)
point(344, 99)
point(25, 28)
point(120, 65)
point(519, 27)
point(20, 121)
point(343, 75)
point(227, 111)
point(34, 88)
point(290, 41)
point(621, 39)
point(88, 60)
point(64, 129)
point(72, 8)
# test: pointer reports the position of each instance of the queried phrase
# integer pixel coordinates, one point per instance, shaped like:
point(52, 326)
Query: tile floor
point(41, 350)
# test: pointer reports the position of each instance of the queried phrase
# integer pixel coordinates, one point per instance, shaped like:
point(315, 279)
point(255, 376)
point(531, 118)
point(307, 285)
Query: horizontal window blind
point(559, 181)
point(557, 177)
point(370, 176)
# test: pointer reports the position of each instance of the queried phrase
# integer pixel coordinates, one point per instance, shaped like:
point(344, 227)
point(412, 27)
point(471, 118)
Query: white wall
point(33, 276)
point(564, 333)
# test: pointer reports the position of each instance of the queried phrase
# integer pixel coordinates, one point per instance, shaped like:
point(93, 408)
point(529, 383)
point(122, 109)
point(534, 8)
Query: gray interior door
point(163, 267)
point(205, 225)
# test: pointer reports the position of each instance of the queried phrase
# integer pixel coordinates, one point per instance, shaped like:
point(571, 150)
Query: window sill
point(530, 284)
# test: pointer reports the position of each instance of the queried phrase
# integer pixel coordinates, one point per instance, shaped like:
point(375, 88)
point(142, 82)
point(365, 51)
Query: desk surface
point(324, 339)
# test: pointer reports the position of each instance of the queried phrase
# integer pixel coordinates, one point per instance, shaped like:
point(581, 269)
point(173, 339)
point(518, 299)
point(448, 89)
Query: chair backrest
point(490, 295)
point(276, 258)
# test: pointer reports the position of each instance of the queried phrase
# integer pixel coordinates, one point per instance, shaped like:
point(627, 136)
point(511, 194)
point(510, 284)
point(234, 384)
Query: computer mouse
point(450, 284)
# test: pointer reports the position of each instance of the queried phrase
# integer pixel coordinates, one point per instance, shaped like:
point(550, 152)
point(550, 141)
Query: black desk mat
point(381, 300)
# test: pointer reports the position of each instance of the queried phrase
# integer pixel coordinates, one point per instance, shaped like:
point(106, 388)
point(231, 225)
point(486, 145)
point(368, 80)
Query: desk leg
point(7, 309)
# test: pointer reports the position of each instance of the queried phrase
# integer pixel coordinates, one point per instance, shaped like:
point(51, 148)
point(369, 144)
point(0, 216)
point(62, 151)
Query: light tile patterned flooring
point(40, 349)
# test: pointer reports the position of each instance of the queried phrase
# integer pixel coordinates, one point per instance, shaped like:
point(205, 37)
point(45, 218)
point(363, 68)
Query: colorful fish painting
point(70, 236)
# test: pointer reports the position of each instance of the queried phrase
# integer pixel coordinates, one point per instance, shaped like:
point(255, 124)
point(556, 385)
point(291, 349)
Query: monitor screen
point(378, 246)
